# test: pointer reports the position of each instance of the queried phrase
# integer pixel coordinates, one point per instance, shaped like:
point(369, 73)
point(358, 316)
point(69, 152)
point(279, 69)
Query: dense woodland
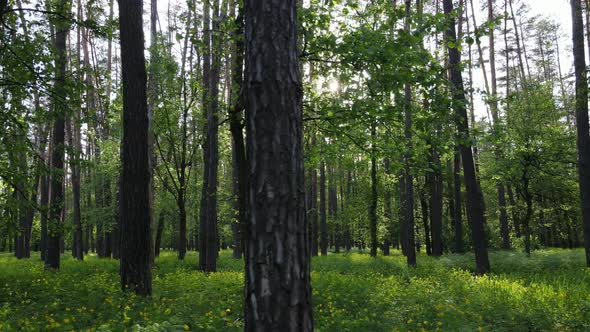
point(263, 133)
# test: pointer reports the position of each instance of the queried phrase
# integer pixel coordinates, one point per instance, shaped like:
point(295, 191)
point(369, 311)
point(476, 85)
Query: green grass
point(548, 292)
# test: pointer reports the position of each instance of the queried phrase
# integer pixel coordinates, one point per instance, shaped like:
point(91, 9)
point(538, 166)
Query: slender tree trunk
point(458, 215)
point(43, 203)
point(474, 196)
point(152, 92)
point(347, 233)
point(436, 204)
point(181, 204)
point(583, 132)
point(56, 202)
point(333, 208)
point(427, 230)
point(518, 48)
point(136, 240)
point(240, 168)
point(527, 223)
point(515, 218)
point(493, 102)
point(41, 139)
point(408, 202)
point(77, 246)
point(374, 197)
point(323, 223)
point(387, 211)
point(208, 229)
point(20, 165)
point(313, 215)
point(159, 231)
point(278, 287)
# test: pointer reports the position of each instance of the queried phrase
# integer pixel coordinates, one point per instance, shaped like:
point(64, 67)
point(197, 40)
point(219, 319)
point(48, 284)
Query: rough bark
point(136, 177)
point(278, 286)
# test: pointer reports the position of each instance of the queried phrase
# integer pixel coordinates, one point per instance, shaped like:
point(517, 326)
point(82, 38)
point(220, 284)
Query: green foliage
point(354, 292)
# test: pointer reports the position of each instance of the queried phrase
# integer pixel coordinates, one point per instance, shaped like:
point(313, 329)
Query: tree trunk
point(152, 97)
point(436, 205)
point(180, 203)
point(493, 101)
point(54, 222)
point(408, 201)
point(458, 215)
point(313, 215)
point(208, 223)
point(333, 208)
point(583, 134)
point(374, 197)
point(522, 73)
point(474, 196)
point(136, 240)
point(427, 230)
point(278, 286)
point(77, 245)
point(388, 211)
point(527, 223)
point(159, 231)
point(240, 167)
point(323, 224)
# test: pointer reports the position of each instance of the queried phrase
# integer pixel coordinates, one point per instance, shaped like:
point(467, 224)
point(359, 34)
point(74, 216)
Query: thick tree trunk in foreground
point(583, 135)
point(475, 199)
point(278, 286)
point(136, 177)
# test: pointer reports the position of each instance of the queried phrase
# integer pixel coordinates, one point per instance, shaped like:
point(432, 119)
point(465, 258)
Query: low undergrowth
point(549, 291)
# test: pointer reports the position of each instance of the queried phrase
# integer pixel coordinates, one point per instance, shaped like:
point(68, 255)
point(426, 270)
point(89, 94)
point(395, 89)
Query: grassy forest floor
point(548, 292)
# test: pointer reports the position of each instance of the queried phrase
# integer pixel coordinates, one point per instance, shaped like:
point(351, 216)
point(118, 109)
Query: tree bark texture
point(278, 286)
point(136, 177)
